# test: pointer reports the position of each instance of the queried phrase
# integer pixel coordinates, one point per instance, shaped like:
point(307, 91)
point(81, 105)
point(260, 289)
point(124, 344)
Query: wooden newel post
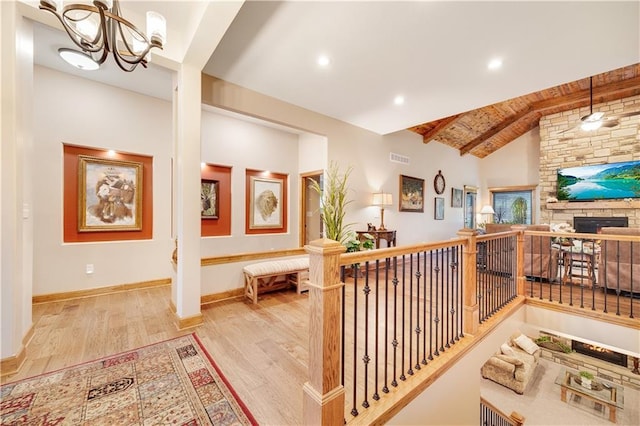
point(521, 279)
point(517, 418)
point(323, 399)
point(469, 279)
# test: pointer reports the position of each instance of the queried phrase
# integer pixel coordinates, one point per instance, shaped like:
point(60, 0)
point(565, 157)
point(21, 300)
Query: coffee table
point(609, 394)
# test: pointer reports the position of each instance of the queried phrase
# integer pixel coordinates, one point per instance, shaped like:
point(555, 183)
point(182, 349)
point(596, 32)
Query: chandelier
point(98, 28)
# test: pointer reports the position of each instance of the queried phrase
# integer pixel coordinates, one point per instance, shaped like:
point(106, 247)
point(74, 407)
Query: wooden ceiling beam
point(497, 129)
point(443, 125)
point(604, 93)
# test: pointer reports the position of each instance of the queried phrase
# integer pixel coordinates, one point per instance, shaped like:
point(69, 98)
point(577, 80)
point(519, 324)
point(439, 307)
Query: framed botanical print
point(110, 195)
point(265, 203)
point(209, 199)
point(411, 194)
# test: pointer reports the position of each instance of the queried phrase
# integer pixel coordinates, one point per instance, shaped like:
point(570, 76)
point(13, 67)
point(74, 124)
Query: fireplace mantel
point(587, 205)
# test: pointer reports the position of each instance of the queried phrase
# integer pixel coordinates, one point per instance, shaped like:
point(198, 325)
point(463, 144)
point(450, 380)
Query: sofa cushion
point(510, 359)
point(507, 350)
point(526, 344)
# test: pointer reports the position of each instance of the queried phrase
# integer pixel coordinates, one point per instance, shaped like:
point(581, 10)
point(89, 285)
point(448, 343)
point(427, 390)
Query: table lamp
point(382, 199)
point(488, 212)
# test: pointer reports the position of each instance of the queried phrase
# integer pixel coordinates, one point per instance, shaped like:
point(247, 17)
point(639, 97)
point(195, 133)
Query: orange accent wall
point(221, 225)
point(71, 197)
point(285, 200)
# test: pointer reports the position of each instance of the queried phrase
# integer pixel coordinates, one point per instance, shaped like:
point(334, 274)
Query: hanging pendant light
point(98, 28)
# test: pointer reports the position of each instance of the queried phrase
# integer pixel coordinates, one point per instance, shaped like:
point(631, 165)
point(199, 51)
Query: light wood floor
point(261, 349)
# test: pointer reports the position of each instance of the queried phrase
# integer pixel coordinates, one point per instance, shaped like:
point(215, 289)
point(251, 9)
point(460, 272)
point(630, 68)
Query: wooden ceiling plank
point(444, 124)
point(496, 129)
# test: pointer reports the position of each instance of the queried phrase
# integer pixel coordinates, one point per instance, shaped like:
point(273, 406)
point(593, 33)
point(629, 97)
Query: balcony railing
point(379, 317)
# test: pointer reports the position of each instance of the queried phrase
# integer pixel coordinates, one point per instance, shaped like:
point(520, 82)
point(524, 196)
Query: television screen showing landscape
point(600, 182)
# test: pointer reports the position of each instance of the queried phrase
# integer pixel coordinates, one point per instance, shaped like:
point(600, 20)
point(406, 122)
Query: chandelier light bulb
point(156, 28)
point(88, 28)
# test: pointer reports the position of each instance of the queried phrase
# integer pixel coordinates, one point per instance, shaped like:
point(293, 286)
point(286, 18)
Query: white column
point(16, 207)
point(187, 118)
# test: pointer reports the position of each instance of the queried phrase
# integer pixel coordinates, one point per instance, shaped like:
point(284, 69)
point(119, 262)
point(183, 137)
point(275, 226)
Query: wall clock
point(438, 183)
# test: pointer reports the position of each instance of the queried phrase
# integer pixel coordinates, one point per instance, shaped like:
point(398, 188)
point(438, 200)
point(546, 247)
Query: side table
point(388, 235)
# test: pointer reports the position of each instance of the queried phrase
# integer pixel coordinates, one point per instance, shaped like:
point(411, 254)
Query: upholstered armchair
point(619, 263)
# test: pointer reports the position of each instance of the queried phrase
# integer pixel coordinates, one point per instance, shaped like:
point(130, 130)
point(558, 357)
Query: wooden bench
point(262, 277)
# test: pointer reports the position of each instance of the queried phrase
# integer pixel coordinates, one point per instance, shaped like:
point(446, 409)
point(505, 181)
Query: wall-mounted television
point(599, 182)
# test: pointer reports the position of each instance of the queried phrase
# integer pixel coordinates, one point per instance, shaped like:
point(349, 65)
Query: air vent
point(397, 158)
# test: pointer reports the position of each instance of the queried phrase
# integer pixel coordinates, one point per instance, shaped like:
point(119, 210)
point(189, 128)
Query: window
point(513, 204)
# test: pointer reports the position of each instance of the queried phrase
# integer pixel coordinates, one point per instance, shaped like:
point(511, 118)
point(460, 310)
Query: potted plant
point(585, 379)
point(353, 244)
point(333, 198)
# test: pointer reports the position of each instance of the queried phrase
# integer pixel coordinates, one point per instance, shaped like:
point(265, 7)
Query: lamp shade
point(487, 210)
point(382, 199)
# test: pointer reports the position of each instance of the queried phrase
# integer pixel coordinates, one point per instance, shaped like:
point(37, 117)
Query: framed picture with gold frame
point(266, 203)
point(110, 195)
point(209, 199)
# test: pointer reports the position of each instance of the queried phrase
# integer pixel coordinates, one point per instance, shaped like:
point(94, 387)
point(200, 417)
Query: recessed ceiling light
point(398, 100)
point(111, 153)
point(495, 64)
point(78, 59)
point(323, 60)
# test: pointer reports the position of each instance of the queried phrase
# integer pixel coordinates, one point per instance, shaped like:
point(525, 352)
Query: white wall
point(368, 154)
point(82, 112)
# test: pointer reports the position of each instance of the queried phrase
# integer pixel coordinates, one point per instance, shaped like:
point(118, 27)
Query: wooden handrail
point(515, 418)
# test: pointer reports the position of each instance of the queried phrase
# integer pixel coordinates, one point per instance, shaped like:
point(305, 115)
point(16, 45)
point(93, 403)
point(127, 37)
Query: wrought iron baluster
point(376, 350)
point(436, 319)
point(431, 308)
point(385, 386)
point(404, 298)
point(366, 359)
point(417, 329)
point(442, 314)
point(354, 410)
point(394, 382)
point(424, 310)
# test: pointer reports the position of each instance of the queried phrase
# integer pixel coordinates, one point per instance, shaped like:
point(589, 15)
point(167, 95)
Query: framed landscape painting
point(110, 195)
point(411, 194)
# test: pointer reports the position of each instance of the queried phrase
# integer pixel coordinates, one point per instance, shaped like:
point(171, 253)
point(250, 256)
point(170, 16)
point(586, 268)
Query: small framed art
point(456, 197)
point(209, 199)
point(439, 208)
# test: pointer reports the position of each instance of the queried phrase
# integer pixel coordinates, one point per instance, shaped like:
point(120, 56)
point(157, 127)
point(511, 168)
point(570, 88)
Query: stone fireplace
point(616, 144)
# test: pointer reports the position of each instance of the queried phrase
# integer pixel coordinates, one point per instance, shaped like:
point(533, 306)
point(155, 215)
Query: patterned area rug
point(174, 382)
